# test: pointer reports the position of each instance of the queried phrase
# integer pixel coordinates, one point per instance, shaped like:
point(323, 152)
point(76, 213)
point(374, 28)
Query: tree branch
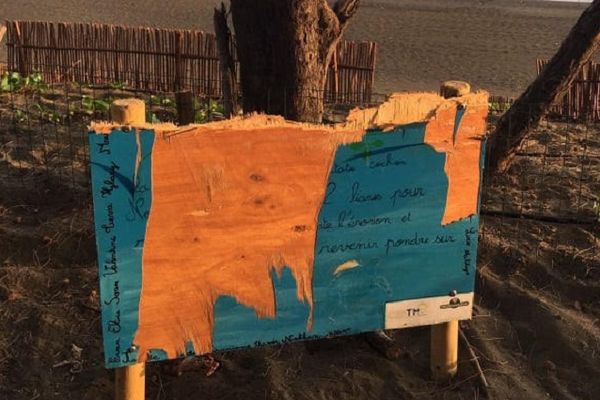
point(226, 63)
point(345, 9)
point(552, 83)
point(332, 21)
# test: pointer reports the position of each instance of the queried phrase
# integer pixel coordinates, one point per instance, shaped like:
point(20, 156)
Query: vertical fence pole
point(130, 382)
point(185, 107)
point(444, 337)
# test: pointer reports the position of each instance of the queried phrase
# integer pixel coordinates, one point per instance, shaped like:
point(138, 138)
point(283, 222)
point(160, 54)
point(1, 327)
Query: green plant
point(13, 81)
point(47, 114)
point(90, 105)
point(208, 111)
point(160, 101)
point(10, 81)
point(151, 117)
point(35, 81)
point(117, 85)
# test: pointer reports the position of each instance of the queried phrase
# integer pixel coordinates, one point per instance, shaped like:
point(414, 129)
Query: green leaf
point(154, 100)
point(101, 105)
point(87, 104)
point(200, 117)
point(4, 83)
point(36, 78)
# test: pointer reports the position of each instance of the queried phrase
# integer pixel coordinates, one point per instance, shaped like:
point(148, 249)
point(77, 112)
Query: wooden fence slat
point(582, 100)
point(159, 59)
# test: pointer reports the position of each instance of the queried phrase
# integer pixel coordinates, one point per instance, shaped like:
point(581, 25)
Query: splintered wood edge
point(398, 109)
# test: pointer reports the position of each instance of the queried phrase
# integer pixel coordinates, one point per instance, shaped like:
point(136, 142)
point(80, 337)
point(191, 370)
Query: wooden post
point(444, 337)
point(451, 89)
point(185, 107)
point(130, 382)
point(444, 350)
point(128, 111)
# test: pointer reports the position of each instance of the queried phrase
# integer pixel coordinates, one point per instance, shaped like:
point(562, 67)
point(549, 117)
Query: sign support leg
point(444, 337)
point(444, 350)
point(130, 381)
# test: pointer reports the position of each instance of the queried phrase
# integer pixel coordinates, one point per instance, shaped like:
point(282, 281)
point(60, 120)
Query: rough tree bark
point(284, 48)
point(550, 85)
point(228, 77)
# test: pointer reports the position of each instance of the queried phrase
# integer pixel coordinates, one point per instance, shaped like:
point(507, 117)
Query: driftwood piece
point(550, 85)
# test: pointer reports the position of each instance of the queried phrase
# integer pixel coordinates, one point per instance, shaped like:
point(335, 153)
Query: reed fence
point(352, 73)
point(156, 59)
point(582, 100)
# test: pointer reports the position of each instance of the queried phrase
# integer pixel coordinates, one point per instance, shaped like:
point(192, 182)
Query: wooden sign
point(258, 231)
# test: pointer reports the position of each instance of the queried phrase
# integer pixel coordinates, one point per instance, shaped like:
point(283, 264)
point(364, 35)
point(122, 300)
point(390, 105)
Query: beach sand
point(491, 43)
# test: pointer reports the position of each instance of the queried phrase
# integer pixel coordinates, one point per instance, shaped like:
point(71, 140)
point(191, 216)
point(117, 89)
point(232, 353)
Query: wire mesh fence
point(543, 213)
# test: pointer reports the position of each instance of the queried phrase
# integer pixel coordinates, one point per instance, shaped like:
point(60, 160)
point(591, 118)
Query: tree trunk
point(552, 83)
point(228, 78)
point(284, 48)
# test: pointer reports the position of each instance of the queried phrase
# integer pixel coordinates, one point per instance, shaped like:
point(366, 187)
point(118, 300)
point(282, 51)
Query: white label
point(428, 311)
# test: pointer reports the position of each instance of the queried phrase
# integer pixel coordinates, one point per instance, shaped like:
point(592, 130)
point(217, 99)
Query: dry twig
point(475, 360)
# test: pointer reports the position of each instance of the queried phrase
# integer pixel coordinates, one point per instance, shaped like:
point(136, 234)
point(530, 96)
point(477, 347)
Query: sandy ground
point(535, 329)
point(491, 43)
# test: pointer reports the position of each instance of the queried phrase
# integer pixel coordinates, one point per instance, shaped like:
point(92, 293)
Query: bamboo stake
point(444, 350)
point(130, 381)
